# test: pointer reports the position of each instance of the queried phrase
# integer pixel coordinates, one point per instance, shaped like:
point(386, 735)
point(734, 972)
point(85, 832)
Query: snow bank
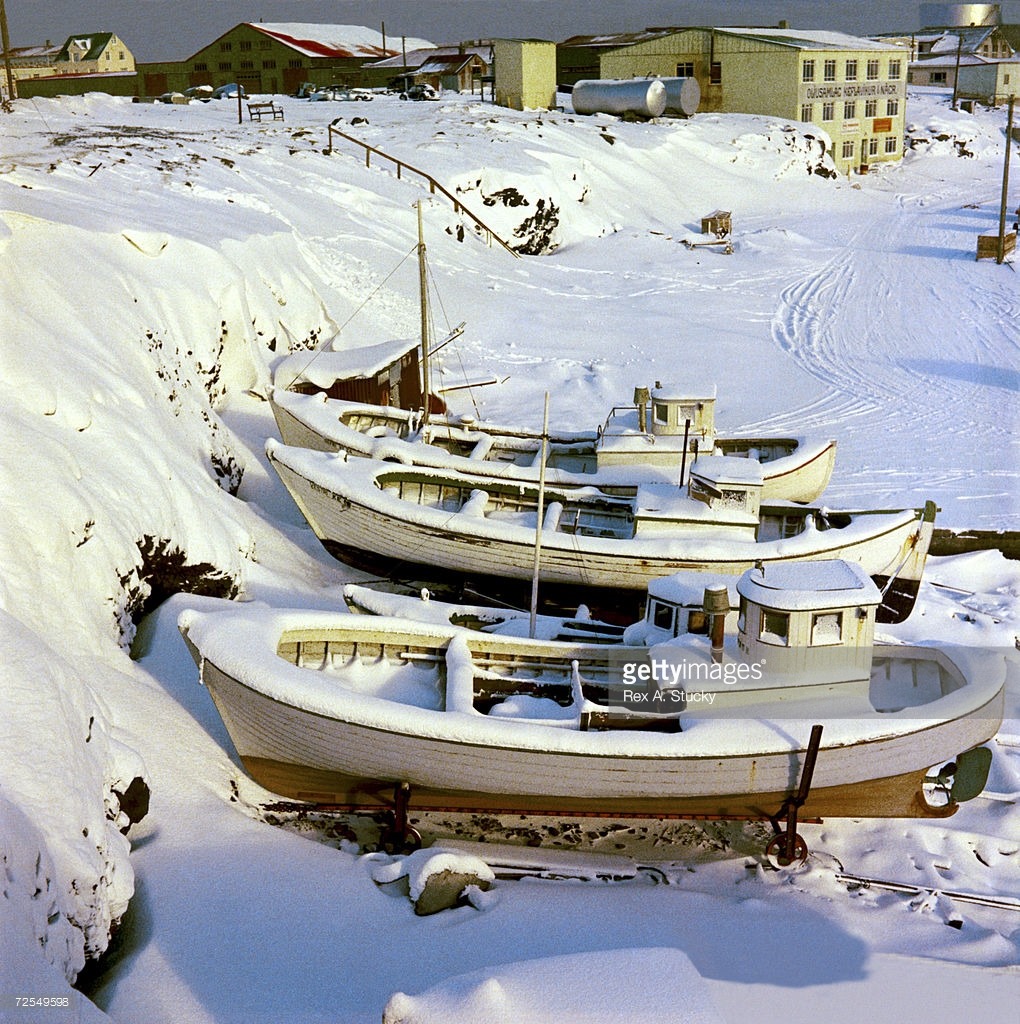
point(608, 987)
point(62, 769)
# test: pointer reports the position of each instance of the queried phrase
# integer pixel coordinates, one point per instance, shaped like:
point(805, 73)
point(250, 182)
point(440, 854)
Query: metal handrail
point(434, 186)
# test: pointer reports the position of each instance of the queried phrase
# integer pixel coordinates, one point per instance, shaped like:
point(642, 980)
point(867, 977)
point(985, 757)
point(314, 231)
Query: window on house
point(807, 111)
point(715, 72)
point(826, 628)
point(269, 64)
point(890, 144)
point(247, 65)
point(938, 78)
point(892, 108)
point(851, 71)
point(685, 70)
point(295, 64)
point(226, 47)
point(871, 108)
point(848, 149)
point(829, 72)
point(872, 147)
point(201, 66)
point(244, 45)
point(264, 44)
point(225, 65)
point(807, 71)
point(895, 70)
point(872, 70)
point(775, 627)
point(828, 111)
point(120, 56)
point(1005, 79)
point(849, 110)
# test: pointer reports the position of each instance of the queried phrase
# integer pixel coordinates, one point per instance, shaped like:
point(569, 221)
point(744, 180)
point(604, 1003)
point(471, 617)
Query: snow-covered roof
point(688, 588)
point(333, 40)
point(801, 586)
point(701, 391)
point(728, 469)
point(617, 38)
point(324, 368)
point(810, 40)
point(416, 58)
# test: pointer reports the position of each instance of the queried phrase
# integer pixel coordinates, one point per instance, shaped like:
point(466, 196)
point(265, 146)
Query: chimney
point(784, 24)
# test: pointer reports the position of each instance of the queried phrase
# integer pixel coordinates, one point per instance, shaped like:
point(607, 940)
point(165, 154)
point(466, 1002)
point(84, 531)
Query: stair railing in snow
point(434, 186)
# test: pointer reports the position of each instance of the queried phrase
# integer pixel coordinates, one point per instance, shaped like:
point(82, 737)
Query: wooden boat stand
point(784, 849)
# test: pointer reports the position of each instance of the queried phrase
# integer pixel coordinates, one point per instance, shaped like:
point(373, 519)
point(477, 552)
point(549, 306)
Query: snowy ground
point(161, 258)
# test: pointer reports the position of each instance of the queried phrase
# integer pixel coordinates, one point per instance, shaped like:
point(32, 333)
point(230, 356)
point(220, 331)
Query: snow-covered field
point(160, 259)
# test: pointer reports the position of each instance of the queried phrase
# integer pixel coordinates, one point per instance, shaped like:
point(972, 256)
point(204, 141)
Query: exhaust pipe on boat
point(716, 604)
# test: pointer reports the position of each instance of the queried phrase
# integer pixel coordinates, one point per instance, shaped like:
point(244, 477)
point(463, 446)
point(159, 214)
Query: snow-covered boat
point(383, 409)
point(652, 441)
point(674, 607)
point(339, 709)
point(365, 511)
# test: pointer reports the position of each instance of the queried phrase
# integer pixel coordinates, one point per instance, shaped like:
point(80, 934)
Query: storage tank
point(682, 96)
point(642, 96)
point(959, 15)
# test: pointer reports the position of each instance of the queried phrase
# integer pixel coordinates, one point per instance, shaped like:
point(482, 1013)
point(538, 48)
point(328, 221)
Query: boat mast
point(423, 299)
point(541, 512)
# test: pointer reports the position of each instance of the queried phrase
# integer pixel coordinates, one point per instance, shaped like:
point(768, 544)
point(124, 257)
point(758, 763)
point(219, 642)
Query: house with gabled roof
point(277, 57)
point(457, 68)
point(89, 53)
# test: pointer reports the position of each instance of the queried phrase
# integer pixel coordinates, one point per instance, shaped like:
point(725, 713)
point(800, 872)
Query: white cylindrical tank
point(959, 15)
point(642, 96)
point(682, 96)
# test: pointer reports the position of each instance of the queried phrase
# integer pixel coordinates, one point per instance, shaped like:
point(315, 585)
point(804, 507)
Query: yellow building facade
point(853, 88)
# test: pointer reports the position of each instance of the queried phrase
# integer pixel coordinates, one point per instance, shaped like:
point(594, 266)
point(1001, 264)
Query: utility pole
point(956, 75)
point(5, 39)
point(1005, 183)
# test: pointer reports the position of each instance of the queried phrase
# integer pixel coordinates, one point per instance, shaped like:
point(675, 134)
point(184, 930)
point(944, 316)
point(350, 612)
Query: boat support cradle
point(786, 847)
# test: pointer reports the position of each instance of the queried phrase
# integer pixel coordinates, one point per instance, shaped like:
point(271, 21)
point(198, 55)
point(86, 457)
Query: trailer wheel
point(775, 852)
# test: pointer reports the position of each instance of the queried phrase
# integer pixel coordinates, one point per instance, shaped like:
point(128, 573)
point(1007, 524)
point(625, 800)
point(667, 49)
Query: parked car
point(420, 91)
point(202, 93)
point(229, 91)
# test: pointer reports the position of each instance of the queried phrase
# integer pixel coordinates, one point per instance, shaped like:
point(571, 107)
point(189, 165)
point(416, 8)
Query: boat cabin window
point(826, 628)
point(697, 622)
point(775, 627)
point(662, 615)
point(732, 500)
point(742, 616)
point(660, 412)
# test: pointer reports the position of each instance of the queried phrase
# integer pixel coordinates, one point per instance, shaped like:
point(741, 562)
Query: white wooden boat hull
point(351, 514)
point(873, 765)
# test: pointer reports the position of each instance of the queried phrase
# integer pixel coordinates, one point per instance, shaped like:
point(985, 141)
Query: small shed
point(524, 73)
point(718, 223)
point(384, 374)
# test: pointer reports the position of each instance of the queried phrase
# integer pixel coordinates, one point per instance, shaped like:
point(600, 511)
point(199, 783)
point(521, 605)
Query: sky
point(162, 31)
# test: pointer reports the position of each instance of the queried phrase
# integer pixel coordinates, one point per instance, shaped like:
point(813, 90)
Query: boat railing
point(434, 185)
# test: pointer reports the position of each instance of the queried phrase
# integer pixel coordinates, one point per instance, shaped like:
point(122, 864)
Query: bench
point(257, 111)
